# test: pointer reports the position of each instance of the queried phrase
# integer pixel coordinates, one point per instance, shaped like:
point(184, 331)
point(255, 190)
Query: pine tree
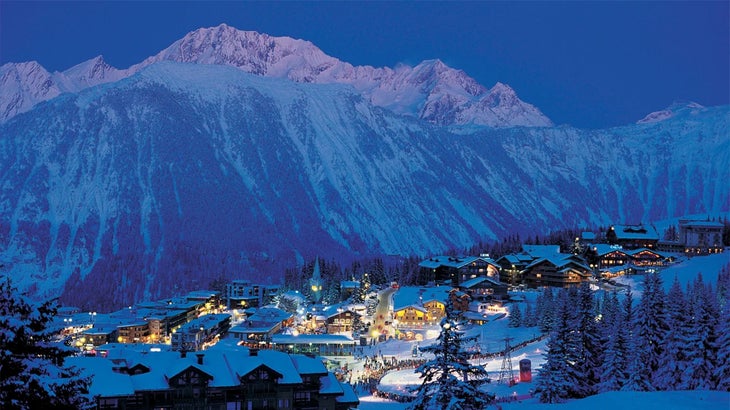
point(638, 377)
point(515, 316)
point(673, 359)
point(529, 319)
point(651, 327)
point(722, 368)
point(555, 378)
point(32, 372)
point(613, 367)
point(546, 310)
point(587, 342)
point(449, 381)
point(698, 374)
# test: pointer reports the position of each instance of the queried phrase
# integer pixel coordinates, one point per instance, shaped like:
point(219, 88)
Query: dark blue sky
point(589, 64)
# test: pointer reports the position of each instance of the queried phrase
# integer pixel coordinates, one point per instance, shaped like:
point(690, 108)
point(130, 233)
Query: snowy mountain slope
point(24, 85)
point(431, 91)
point(671, 111)
point(184, 173)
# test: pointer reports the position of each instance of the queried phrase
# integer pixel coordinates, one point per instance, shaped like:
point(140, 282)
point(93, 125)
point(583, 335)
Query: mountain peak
point(431, 90)
point(676, 108)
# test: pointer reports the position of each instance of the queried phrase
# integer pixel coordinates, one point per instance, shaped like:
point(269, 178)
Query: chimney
point(183, 353)
point(253, 352)
point(200, 357)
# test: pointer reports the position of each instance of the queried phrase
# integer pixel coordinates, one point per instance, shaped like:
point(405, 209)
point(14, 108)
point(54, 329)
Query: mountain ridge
point(184, 172)
point(431, 90)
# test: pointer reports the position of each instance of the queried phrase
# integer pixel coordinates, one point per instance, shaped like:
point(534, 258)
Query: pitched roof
point(476, 281)
point(348, 394)
point(629, 232)
point(413, 295)
point(330, 385)
point(456, 262)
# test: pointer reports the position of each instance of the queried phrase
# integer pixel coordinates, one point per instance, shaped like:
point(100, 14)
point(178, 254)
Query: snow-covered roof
point(706, 224)
point(541, 251)
point(105, 381)
point(270, 315)
point(348, 394)
point(249, 328)
point(562, 260)
point(452, 261)
point(308, 365)
point(330, 385)
point(476, 281)
point(349, 284)
point(311, 338)
point(604, 249)
point(635, 232)
point(205, 321)
point(202, 294)
point(414, 295)
point(416, 307)
point(224, 367)
point(634, 252)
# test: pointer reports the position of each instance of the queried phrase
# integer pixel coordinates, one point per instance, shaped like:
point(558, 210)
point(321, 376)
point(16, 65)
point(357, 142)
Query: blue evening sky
point(586, 63)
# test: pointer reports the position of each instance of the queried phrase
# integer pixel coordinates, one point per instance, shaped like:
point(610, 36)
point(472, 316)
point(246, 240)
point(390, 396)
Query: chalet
point(481, 312)
point(701, 237)
point(415, 307)
point(460, 300)
point(485, 289)
point(612, 260)
point(559, 271)
point(643, 258)
point(194, 335)
point(218, 378)
point(453, 270)
point(632, 236)
point(340, 321)
point(513, 265)
point(607, 256)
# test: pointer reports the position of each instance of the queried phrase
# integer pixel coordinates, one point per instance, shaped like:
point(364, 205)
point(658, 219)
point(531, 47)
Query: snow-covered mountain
point(671, 111)
point(431, 90)
point(182, 173)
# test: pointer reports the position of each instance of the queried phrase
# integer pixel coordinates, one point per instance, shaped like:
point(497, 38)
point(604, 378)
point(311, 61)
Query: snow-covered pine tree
point(613, 367)
point(555, 378)
point(722, 367)
point(529, 319)
point(588, 352)
point(651, 327)
point(546, 310)
point(32, 372)
point(673, 359)
point(515, 315)
point(449, 381)
point(638, 376)
point(701, 348)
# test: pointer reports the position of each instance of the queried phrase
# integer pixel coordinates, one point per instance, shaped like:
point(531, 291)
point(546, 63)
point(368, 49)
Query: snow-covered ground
point(685, 271)
point(490, 338)
point(668, 400)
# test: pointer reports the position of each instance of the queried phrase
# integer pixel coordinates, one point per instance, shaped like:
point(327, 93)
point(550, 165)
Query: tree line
point(675, 340)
